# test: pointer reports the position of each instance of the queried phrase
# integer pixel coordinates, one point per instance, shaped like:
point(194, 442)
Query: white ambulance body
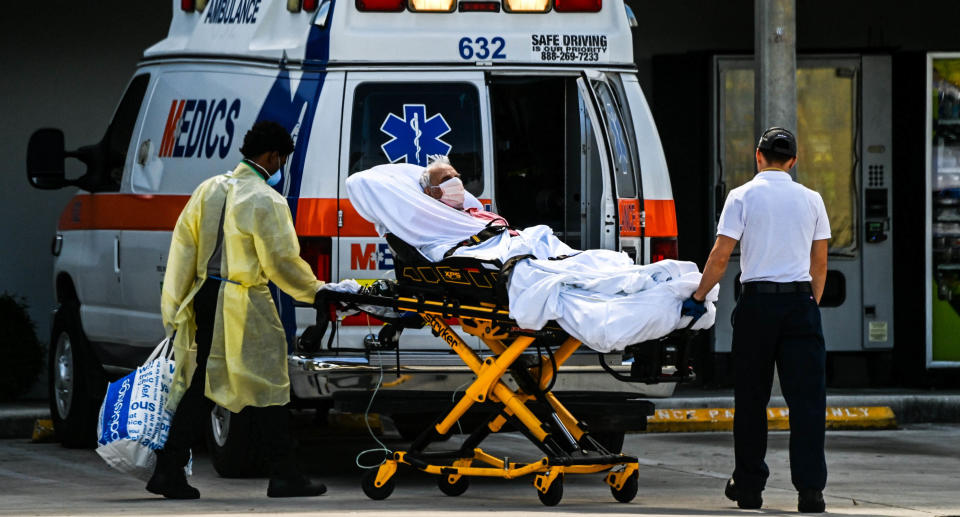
point(541, 113)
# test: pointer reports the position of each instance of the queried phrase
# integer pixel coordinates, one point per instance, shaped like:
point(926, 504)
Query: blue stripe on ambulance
point(295, 111)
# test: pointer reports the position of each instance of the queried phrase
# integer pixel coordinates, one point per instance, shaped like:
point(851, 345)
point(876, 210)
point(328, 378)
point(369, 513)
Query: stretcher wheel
point(453, 489)
point(629, 490)
point(374, 492)
point(553, 494)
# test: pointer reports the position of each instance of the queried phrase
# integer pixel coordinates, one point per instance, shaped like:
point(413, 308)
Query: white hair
point(433, 161)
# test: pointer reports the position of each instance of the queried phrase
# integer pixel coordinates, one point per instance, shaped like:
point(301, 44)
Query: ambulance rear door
point(402, 117)
point(620, 223)
point(550, 156)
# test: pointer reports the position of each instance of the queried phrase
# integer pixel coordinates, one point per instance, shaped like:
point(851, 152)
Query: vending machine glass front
point(943, 210)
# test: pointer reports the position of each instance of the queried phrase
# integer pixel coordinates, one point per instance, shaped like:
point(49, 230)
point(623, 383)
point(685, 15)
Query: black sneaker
point(744, 500)
point(172, 484)
point(811, 501)
point(296, 487)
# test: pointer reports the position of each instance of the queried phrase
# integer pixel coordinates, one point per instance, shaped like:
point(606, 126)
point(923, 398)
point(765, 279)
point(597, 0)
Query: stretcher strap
point(503, 280)
point(491, 230)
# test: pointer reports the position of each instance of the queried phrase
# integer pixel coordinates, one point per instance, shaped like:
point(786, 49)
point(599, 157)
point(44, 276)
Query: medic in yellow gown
point(235, 235)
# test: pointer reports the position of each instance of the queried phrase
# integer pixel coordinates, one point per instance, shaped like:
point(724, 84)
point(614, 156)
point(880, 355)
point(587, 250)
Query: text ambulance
point(536, 103)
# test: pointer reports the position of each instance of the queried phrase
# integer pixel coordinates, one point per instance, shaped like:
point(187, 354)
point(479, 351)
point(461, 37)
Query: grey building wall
point(64, 64)
point(679, 26)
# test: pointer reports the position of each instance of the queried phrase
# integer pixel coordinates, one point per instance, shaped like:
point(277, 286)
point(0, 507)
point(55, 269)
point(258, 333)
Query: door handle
point(116, 255)
point(719, 196)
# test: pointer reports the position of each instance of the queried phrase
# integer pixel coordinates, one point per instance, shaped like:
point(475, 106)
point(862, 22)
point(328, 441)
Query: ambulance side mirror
point(45, 159)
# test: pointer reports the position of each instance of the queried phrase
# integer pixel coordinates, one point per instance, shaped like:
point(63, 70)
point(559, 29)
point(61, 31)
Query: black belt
point(491, 230)
point(776, 287)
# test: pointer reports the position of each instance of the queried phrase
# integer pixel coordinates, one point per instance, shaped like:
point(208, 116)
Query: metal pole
point(775, 58)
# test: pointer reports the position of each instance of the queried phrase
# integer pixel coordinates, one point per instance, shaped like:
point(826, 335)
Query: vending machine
point(844, 133)
point(943, 210)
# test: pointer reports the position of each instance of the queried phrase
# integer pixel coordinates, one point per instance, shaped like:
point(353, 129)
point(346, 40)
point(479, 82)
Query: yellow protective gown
point(248, 354)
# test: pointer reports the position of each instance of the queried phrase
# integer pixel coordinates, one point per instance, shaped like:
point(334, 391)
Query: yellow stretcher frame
point(488, 387)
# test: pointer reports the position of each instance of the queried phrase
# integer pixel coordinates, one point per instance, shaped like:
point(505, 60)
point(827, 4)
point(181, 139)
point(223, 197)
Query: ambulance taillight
point(381, 5)
point(526, 6)
point(193, 5)
point(663, 248)
point(432, 6)
point(577, 6)
point(316, 252)
point(294, 6)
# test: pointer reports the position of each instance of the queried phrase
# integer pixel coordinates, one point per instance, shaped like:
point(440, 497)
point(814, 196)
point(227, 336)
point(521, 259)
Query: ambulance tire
point(76, 382)
point(235, 450)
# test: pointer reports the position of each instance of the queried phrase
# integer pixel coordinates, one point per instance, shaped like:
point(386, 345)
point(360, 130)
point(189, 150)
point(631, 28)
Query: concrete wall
point(65, 64)
point(679, 26)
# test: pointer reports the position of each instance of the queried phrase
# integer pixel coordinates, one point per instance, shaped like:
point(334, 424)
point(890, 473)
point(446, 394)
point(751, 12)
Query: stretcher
point(473, 291)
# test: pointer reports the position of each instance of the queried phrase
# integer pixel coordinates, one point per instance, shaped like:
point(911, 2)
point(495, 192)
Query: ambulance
point(535, 102)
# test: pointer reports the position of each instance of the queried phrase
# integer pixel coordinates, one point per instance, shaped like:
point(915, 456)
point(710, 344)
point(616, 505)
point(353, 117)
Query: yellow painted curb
point(43, 430)
point(721, 419)
point(351, 423)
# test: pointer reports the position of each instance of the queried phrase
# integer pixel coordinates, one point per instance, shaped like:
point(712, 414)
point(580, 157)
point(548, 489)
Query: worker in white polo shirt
point(782, 229)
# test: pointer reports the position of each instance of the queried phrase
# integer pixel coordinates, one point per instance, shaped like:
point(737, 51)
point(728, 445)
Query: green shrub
point(21, 353)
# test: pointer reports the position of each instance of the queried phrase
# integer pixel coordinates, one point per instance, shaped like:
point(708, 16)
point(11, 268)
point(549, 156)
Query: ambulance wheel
point(234, 450)
point(453, 489)
point(374, 492)
point(628, 491)
point(553, 494)
point(76, 382)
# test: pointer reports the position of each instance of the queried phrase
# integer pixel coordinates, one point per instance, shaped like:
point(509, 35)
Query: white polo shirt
point(776, 221)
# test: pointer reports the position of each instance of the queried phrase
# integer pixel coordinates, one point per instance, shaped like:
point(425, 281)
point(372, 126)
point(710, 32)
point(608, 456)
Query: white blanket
point(598, 296)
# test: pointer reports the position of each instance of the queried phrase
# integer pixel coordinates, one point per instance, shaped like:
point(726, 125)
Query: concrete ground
point(911, 471)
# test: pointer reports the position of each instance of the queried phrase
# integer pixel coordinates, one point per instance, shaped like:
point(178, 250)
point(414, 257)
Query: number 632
point(482, 48)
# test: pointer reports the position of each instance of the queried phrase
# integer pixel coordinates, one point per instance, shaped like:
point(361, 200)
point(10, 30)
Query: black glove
point(693, 308)
point(312, 338)
point(321, 301)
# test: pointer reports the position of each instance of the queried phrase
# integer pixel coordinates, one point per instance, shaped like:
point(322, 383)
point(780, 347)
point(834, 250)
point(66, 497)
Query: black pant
point(193, 412)
point(782, 329)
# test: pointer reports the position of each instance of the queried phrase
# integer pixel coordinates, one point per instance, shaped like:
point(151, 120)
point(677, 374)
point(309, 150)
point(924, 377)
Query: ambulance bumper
point(319, 377)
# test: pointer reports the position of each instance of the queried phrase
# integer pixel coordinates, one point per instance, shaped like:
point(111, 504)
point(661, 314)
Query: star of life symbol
point(414, 136)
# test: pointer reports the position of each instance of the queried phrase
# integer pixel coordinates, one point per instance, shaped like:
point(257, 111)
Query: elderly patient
point(599, 296)
point(442, 182)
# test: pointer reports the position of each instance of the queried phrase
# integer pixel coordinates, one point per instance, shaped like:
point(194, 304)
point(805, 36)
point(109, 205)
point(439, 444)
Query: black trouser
point(782, 329)
point(272, 422)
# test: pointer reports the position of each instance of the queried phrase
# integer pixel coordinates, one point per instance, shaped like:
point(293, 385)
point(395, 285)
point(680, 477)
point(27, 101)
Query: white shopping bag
point(133, 419)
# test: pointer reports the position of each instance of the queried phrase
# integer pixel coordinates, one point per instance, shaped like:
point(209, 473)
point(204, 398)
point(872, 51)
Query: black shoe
point(294, 487)
point(811, 501)
point(171, 483)
point(744, 500)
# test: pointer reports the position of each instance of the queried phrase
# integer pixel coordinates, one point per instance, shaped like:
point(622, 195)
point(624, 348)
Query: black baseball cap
point(778, 140)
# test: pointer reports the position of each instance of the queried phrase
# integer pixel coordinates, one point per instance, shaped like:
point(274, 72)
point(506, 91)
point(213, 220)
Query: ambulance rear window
point(406, 122)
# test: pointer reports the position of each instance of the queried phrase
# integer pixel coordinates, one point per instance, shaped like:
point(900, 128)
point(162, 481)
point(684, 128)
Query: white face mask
point(452, 193)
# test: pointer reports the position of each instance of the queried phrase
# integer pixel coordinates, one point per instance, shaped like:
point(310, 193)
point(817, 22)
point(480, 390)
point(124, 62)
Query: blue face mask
point(274, 178)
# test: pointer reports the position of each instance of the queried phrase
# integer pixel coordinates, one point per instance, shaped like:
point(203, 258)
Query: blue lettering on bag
point(114, 424)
